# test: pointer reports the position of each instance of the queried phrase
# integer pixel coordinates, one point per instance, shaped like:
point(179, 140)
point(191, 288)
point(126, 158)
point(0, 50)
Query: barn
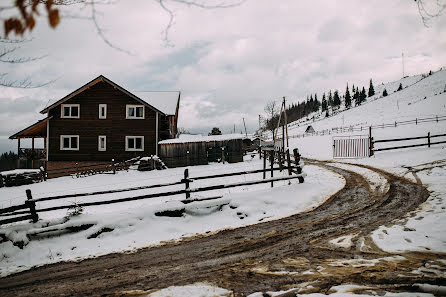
point(189, 150)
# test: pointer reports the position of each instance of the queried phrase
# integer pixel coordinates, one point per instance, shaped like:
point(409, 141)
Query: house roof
point(37, 129)
point(166, 101)
point(163, 98)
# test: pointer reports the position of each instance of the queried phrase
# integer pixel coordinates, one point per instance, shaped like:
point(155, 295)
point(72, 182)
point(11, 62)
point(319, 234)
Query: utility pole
point(244, 124)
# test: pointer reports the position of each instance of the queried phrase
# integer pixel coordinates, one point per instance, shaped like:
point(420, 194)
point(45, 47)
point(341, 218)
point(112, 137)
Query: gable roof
point(157, 96)
point(166, 101)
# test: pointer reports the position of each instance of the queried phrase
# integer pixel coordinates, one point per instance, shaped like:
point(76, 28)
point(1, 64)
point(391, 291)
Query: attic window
point(134, 112)
point(70, 111)
point(102, 111)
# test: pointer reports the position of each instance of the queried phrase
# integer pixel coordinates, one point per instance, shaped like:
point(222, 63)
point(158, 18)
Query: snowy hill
point(420, 97)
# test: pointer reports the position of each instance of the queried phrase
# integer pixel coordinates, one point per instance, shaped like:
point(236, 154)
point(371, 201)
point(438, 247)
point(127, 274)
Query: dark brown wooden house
point(102, 121)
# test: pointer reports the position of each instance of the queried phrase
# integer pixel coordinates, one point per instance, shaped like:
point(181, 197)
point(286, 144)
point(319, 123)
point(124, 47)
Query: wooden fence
point(428, 142)
point(346, 129)
point(355, 146)
point(19, 214)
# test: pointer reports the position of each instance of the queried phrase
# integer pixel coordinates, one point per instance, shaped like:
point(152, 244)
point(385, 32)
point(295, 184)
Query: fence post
point(1, 180)
point(279, 155)
point(113, 166)
point(186, 182)
point(436, 118)
point(428, 139)
point(395, 123)
point(264, 164)
point(416, 121)
point(370, 142)
point(288, 159)
point(31, 205)
point(223, 154)
point(271, 157)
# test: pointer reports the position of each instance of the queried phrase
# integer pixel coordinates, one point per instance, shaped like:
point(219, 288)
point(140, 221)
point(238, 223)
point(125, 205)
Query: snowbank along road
point(313, 251)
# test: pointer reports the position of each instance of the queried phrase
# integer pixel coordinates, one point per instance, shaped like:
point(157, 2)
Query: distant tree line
point(330, 101)
point(8, 161)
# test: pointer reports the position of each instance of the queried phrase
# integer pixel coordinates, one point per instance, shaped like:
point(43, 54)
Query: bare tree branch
point(430, 11)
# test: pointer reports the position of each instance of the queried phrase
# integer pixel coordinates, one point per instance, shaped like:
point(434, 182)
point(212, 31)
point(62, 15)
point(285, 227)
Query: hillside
point(420, 97)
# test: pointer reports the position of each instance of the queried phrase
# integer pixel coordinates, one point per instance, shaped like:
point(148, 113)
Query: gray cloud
point(228, 63)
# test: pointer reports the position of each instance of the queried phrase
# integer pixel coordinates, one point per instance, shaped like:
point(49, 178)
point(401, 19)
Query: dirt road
point(294, 252)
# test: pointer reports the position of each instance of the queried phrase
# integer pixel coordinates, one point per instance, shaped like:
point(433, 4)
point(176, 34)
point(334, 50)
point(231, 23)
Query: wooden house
point(102, 121)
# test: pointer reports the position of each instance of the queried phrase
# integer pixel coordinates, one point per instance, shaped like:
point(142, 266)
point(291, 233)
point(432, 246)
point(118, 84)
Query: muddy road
point(294, 252)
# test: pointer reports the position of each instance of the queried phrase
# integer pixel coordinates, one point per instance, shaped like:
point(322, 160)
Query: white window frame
point(62, 148)
point(128, 106)
point(70, 106)
point(104, 149)
point(104, 106)
point(129, 149)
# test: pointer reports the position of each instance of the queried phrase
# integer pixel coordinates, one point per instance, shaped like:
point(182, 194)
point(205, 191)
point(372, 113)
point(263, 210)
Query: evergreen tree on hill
point(371, 89)
point(336, 99)
point(400, 87)
point(362, 96)
point(385, 93)
point(324, 103)
point(348, 98)
point(330, 99)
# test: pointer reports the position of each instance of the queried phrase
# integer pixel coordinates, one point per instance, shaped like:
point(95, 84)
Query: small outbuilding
point(189, 150)
point(310, 129)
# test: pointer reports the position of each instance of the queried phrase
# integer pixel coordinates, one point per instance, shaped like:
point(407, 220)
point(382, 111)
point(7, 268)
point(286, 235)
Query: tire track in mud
point(293, 252)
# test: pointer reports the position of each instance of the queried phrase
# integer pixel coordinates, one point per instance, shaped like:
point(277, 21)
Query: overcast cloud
point(226, 62)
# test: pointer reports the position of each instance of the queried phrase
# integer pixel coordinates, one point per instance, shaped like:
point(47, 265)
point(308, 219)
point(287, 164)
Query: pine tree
point(385, 93)
point(371, 89)
point(324, 103)
point(348, 99)
point(316, 104)
point(336, 99)
point(400, 87)
point(330, 99)
point(362, 96)
point(356, 97)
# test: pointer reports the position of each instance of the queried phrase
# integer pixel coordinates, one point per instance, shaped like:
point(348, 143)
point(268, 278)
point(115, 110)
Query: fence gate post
point(186, 181)
point(271, 157)
point(428, 139)
point(31, 205)
point(1, 180)
point(264, 164)
point(370, 142)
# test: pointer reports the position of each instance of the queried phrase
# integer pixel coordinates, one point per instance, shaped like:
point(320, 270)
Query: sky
point(227, 62)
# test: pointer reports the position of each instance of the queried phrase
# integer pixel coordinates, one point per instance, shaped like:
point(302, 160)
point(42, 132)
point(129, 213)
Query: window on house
point(135, 112)
point(69, 142)
point(70, 111)
point(102, 111)
point(134, 143)
point(102, 143)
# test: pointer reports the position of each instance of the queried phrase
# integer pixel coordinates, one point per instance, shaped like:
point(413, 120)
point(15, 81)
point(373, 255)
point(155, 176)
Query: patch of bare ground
point(311, 252)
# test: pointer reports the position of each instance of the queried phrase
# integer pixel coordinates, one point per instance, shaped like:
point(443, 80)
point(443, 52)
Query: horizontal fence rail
point(345, 129)
point(31, 203)
point(428, 143)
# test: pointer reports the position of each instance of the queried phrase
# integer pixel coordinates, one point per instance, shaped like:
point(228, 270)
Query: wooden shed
point(189, 150)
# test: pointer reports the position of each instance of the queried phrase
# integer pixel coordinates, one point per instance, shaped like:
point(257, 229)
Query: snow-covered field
point(131, 225)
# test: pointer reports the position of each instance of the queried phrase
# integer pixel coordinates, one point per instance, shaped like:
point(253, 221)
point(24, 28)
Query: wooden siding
point(116, 127)
point(200, 153)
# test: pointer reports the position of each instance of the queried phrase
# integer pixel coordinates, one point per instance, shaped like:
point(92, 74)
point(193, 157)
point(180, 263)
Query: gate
point(354, 146)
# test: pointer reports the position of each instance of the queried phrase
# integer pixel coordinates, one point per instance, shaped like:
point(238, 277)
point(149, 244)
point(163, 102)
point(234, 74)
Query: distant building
point(309, 129)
